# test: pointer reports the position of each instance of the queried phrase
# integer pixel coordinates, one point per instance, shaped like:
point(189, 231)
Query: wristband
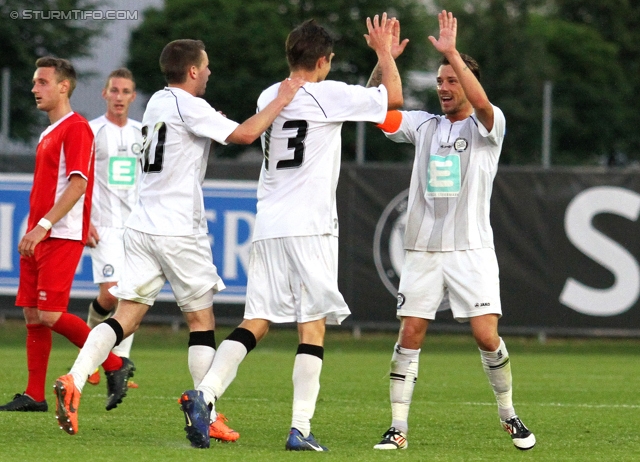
point(46, 224)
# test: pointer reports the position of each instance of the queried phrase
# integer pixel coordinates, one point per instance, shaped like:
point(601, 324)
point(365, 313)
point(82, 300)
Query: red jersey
point(65, 149)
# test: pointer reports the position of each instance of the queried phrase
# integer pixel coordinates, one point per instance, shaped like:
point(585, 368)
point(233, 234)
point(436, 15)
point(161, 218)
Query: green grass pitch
point(580, 397)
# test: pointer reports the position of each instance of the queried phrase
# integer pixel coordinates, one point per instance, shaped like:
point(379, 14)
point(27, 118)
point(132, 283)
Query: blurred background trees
point(24, 41)
point(588, 49)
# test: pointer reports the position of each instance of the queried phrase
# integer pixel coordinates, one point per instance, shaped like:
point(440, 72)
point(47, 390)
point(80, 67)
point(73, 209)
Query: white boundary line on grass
point(592, 406)
point(467, 403)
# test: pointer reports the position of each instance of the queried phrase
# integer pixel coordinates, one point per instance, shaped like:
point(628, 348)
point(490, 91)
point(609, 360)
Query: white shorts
point(295, 279)
point(150, 260)
point(470, 276)
point(107, 258)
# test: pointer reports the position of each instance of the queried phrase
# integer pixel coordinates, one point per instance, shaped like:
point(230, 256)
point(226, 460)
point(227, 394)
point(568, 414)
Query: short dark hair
point(122, 73)
point(63, 69)
point(471, 63)
point(306, 44)
point(178, 56)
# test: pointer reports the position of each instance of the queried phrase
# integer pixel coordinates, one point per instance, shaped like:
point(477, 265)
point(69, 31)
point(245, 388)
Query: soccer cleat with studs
point(67, 403)
point(118, 383)
point(196, 415)
point(219, 430)
point(393, 439)
point(297, 442)
point(521, 437)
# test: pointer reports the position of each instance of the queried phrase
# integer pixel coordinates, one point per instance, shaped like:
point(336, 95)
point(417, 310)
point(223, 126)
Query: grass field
point(580, 397)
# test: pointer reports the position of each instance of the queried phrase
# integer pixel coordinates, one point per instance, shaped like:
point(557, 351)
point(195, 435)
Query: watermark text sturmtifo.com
point(75, 14)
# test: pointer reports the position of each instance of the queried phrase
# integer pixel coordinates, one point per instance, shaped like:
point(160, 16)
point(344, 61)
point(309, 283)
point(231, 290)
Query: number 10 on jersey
point(161, 129)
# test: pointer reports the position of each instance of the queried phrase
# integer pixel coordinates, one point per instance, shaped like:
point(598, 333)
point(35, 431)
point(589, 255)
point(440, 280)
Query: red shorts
point(46, 278)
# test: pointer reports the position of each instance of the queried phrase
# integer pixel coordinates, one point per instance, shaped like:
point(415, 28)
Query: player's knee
point(412, 333)
point(487, 341)
point(48, 318)
point(108, 301)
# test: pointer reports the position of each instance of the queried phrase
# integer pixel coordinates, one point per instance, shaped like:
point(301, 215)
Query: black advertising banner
point(566, 241)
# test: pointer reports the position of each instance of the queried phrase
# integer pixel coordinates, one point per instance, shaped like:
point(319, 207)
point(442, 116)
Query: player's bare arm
point(397, 48)
point(446, 44)
point(74, 191)
point(249, 130)
point(380, 38)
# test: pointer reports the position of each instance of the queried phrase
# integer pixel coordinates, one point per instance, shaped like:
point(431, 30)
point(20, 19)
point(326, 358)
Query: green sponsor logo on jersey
point(443, 176)
point(122, 172)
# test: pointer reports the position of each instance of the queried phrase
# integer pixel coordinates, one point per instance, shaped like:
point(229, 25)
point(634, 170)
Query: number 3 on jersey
point(296, 143)
point(161, 129)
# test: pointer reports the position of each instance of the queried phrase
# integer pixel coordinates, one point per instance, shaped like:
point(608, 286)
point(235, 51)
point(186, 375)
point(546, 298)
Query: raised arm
point(446, 44)
point(383, 33)
point(249, 130)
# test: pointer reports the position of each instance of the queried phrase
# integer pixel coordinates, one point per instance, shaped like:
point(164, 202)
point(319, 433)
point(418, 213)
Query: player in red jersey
point(59, 212)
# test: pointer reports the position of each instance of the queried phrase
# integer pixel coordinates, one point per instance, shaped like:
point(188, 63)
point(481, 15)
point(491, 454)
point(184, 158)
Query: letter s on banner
point(577, 222)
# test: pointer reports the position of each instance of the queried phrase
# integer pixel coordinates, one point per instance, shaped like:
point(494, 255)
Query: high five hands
point(384, 33)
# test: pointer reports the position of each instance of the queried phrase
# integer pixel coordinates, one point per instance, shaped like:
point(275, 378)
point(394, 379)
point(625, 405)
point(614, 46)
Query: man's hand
point(380, 36)
point(93, 237)
point(397, 47)
point(446, 43)
point(29, 241)
point(289, 88)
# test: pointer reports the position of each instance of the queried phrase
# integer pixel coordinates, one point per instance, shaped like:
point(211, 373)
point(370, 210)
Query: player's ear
point(133, 96)
point(193, 72)
point(104, 93)
point(64, 86)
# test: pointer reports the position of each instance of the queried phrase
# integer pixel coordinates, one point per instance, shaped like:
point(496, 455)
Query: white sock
point(403, 377)
point(497, 366)
point(306, 386)
point(94, 352)
point(124, 349)
point(200, 358)
point(222, 371)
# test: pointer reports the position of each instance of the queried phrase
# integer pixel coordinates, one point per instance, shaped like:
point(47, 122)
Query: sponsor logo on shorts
point(108, 270)
point(401, 300)
point(388, 241)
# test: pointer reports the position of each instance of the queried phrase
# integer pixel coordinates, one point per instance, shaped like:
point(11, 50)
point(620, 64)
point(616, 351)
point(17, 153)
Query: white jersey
point(452, 180)
point(297, 187)
point(117, 151)
point(177, 128)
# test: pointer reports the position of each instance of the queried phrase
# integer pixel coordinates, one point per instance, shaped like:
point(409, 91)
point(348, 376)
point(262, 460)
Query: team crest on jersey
point(388, 241)
point(460, 144)
point(108, 271)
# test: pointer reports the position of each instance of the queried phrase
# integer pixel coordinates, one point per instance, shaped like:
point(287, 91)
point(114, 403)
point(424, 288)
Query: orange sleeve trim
point(392, 122)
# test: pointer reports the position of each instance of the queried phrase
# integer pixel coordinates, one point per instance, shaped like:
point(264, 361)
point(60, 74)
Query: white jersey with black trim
point(451, 181)
point(302, 150)
point(177, 129)
point(115, 189)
